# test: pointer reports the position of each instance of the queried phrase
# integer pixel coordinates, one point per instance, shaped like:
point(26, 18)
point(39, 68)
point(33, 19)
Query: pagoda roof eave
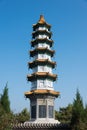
point(42, 91)
point(41, 61)
point(42, 31)
point(41, 75)
point(41, 40)
point(36, 33)
point(39, 23)
point(41, 49)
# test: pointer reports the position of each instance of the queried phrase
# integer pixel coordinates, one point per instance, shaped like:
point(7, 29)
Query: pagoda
point(42, 94)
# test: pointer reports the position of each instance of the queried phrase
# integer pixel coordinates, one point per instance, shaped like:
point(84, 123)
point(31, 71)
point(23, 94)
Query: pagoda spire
point(41, 20)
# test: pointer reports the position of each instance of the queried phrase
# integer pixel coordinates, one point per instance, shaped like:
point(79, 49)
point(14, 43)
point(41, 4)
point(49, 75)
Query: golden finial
point(42, 20)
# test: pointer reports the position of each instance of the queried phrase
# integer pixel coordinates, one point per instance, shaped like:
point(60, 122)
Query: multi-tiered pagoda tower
point(42, 94)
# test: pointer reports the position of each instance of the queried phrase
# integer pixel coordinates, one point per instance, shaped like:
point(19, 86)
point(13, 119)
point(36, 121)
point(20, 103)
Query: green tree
point(77, 113)
point(64, 115)
point(85, 118)
point(85, 112)
point(56, 115)
point(5, 111)
point(5, 120)
point(22, 116)
point(4, 100)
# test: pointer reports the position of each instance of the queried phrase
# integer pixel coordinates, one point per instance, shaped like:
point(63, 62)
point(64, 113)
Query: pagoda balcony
point(40, 75)
point(42, 92)
point(41, 40)
point(41, 62)
point(41, 32)
point(41, 50)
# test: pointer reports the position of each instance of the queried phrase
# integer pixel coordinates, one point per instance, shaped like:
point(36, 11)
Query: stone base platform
point(42, 121)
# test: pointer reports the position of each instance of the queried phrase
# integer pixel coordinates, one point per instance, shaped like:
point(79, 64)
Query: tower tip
point(41, 20)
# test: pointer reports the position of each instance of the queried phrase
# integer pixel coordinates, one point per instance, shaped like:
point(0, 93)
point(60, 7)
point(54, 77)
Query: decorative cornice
point(42, 92)
point(41, 62)
point(41, 50)
point(38, 32)
point(40, 75)
point(41, 40)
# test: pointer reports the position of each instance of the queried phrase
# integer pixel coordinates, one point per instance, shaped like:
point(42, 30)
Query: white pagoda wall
point(42, 56)
point(42, 69)
point(42, 36)
point(43, 45)
point(42, 84)
point(41, 28)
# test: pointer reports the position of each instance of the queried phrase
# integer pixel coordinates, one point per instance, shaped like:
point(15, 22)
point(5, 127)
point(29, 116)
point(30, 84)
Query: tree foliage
point(5, 111)
point(7, 117)
point(4, 100)
point(74, 114)
point(77, 120)
point(22, 116)
point(64, 115)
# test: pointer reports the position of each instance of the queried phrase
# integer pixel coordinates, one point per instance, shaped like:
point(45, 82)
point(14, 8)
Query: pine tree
point(5, 100)
point(85, 118)
point(64, 115)
point(77, 113)
point(6, 115)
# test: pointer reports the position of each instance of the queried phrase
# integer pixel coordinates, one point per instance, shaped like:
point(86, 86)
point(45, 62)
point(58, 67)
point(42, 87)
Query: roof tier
point(41, 92)
point(42, 40)
point(41, 62)
point(42, 32)
point(41, 50)
point(41, 22)
point(40, 75)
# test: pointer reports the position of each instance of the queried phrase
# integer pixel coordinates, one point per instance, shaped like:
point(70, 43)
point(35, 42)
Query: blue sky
point(69, 26)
